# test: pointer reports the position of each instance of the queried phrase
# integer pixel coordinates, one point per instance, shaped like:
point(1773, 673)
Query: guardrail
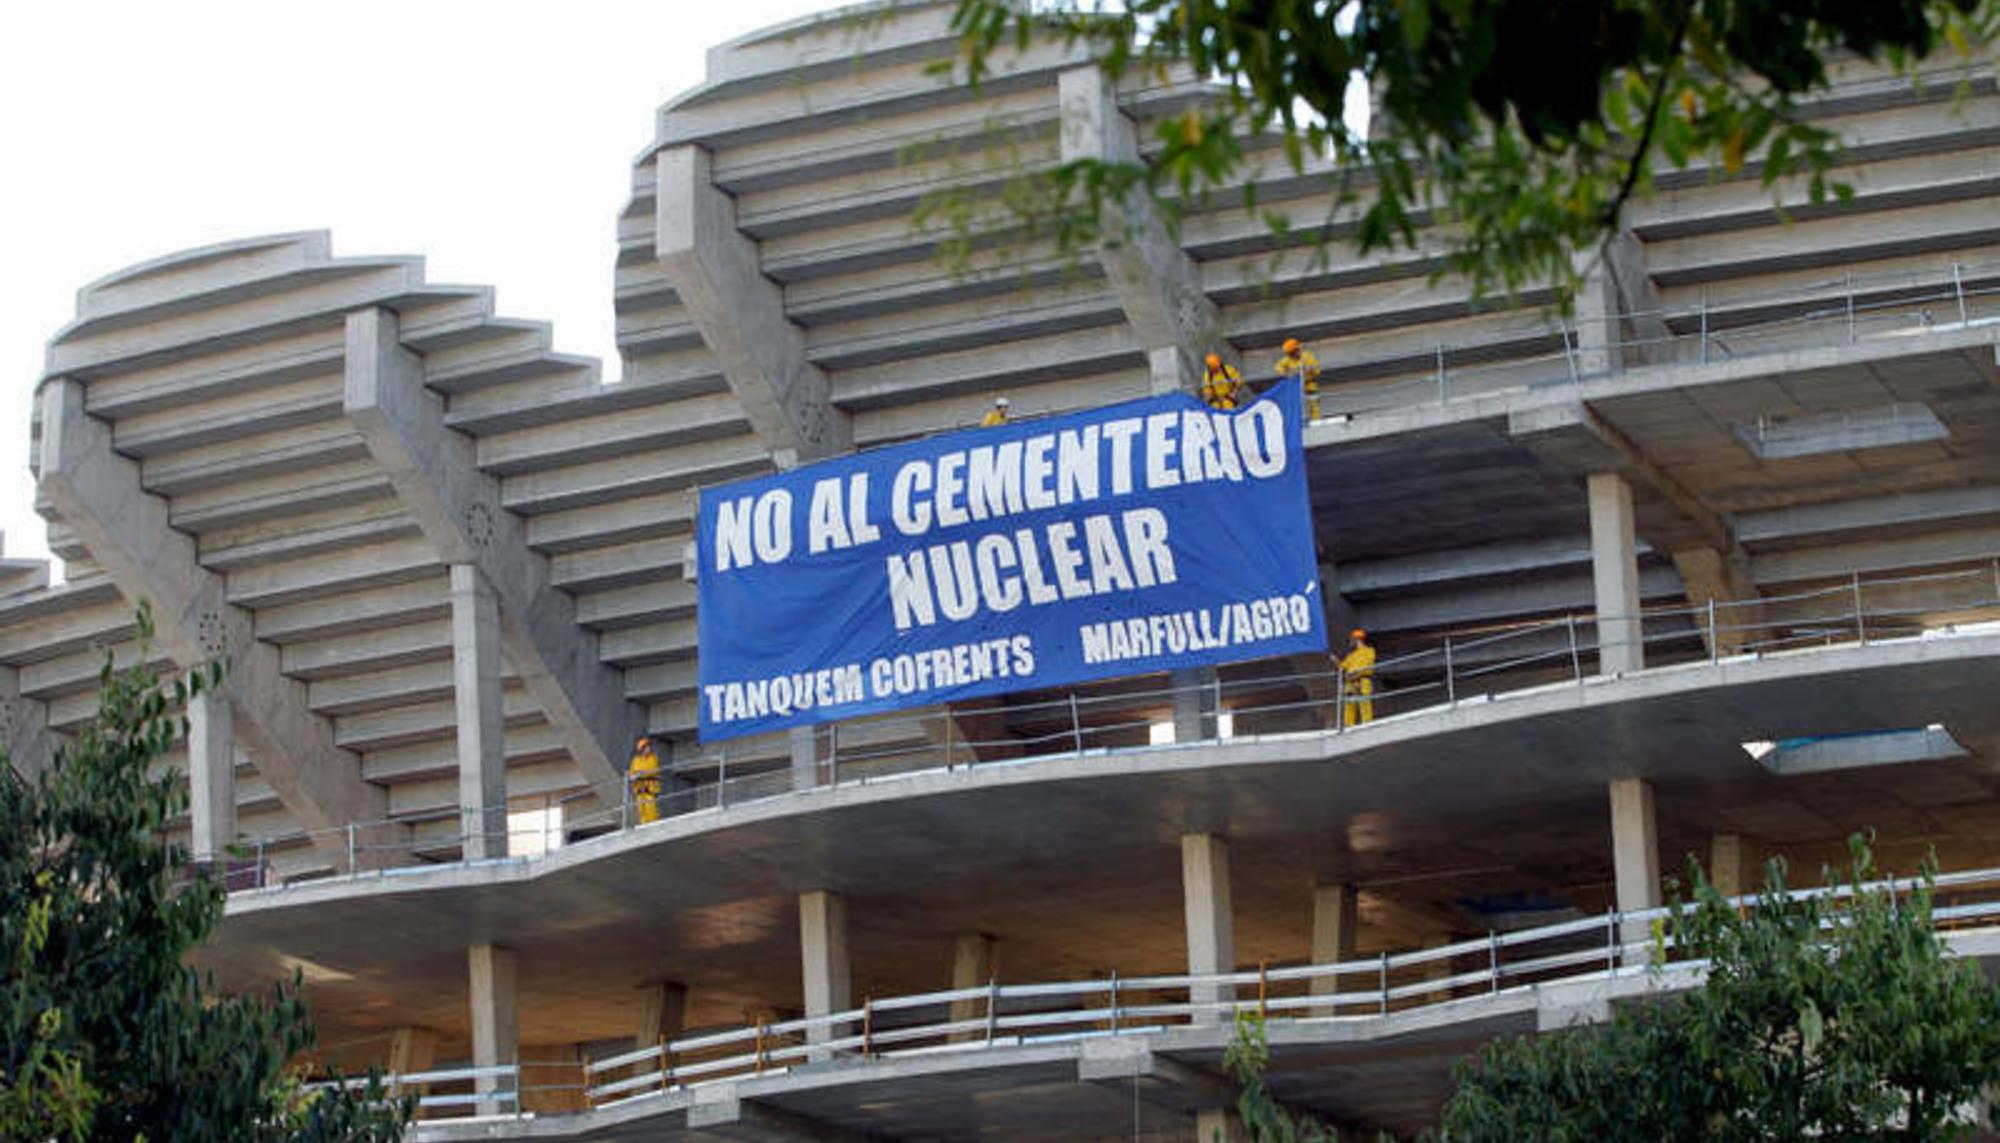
point(997, 1016)
point(1477, 665)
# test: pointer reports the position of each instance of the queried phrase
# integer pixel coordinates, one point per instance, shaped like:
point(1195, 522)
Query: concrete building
point(1712, 568)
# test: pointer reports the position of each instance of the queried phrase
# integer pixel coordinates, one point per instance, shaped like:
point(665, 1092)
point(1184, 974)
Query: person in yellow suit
point(643, 775)
point(998, 414)
point(1221, 385)
point(1357, 671)
point(1299, 362)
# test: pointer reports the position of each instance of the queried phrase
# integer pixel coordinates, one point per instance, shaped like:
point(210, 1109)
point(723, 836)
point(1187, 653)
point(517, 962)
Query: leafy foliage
point(104, 1032)
point(1832, 1017)
point(1523, 125)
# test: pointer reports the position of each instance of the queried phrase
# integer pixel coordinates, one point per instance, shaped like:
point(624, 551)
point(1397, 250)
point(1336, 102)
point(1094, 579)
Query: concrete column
point(972, 966)
point(1614, 565)
point(1217, 1125)
point(496, 1035)
point(662, 1013)
point(1730, 868)
point(211, 750)
point(1195, 709)
point(1335, 922)
point(1211, 938)
point(829, 983)
point(1164, 364)
point(1635, 854)
point(482, 748)
point(806, 769)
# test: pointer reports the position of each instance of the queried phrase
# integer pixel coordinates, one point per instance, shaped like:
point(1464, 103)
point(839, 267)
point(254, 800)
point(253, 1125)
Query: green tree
point(1834, 1016)
point(104, 1032)
point(1522, 125)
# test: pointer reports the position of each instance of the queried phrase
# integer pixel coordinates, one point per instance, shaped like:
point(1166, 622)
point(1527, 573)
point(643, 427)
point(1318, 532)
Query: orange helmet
point(1214, 360)
point(1357, 633)
point(1291, 345)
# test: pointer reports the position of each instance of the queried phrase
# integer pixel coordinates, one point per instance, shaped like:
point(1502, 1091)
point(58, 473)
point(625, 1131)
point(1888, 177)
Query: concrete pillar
point(806, 769)
point(1211, 938)
point(1635, 854)
point(482, 746)
point(972, 966)
point(1614, 565)
point(1335, 922)
point(496, 1035)
point(1195, 703)
point(829, 983)
point(1164, 365)
point(1730, 868)
point(1217, 1125)
point(1707, 575)
point(662, 1013)
point(211, 750)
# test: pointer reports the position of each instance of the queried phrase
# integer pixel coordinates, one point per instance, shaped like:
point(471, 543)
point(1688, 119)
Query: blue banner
point(1149, 536)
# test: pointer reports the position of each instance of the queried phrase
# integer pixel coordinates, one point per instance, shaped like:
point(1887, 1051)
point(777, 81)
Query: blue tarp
point(1148, 536)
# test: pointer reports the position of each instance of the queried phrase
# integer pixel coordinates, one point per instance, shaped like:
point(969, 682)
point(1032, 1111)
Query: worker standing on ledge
point(1357, 672)
point(1221, 384)
point(643, 776)
point(1299, 362)
point(998, 414)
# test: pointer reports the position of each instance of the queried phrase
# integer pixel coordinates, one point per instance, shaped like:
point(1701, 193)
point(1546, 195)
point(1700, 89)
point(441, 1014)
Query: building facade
point(1711, 567)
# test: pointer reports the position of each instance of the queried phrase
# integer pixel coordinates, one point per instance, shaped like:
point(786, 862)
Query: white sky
point(494, 137)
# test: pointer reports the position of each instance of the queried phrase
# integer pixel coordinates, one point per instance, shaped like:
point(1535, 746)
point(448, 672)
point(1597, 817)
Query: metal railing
point(1490, 663)
point(1375, 988)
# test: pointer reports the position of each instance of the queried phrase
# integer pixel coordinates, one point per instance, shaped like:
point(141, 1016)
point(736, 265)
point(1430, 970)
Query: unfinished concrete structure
point(1702, 570)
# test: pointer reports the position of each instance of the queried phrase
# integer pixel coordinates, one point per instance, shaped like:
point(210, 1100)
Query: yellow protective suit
point(1358, 672)
point(643, 775)
point(1221, 386)
point(1305, 367)
point(993, 417)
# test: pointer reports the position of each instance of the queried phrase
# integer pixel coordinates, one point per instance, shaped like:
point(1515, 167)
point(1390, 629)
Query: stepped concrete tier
point(1710, 566)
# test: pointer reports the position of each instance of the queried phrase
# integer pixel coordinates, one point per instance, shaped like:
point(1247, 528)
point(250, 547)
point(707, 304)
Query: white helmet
point(1002, 403)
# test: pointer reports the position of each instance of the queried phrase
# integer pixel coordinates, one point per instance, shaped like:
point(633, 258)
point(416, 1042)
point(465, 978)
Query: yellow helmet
point(1291, 345)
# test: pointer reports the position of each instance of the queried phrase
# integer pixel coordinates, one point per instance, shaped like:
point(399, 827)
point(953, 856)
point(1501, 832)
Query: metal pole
point(1493, 959)
point(350, 849)
point(1860, 626)
point(722, 777)
point(1075, 723)
point(1218, 709)
point(1114, 1000)
point(948, 721)
point(1851, 337)
point(1382, 982)
point(992, 1007)
point(261, 858)
point(1704, 325)
point(1569, 355)
point(1714, 646)
point(1611, 943)
point(1958, 288)
point(832, 753)
point(1575, 656)
point(1440, 373)
point(1450, 687)
point(1341, 692)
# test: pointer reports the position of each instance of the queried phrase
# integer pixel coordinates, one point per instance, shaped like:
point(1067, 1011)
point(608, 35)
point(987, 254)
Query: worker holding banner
point(1299, 362)
point(1357, 671)
point(1221, 384)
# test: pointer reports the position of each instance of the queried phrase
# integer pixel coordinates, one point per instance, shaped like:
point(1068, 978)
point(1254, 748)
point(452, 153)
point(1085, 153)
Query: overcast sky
point(493, 137)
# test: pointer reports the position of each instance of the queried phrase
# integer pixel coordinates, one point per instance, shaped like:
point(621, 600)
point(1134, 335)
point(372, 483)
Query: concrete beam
point(1619, 316)
point(1211, 934)
point(24, 727)
point(98, 495)
point(1158, 285)
point(716, 270)
point(721, 1111)
point(1125, 1062)
point(481, 734)
point(496, 1030)
point(435, 473)
point(1713, 578)
point(1575, 438)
